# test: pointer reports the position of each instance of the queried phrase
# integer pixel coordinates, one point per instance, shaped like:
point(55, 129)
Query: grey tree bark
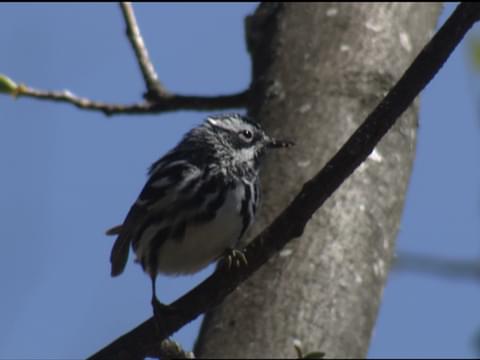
point(318, 70)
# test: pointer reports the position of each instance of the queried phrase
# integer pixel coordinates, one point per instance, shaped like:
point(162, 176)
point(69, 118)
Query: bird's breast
point(204, 241)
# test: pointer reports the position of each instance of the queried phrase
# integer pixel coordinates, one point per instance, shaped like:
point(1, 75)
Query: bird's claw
point(234, 257)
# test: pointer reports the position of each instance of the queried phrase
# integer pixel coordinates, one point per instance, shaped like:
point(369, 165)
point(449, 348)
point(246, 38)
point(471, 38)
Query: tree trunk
point(318, 70)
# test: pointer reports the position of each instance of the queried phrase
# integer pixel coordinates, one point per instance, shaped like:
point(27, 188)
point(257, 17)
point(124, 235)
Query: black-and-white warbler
point(199, 200)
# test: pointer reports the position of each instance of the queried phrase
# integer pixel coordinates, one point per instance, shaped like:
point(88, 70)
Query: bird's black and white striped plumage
point(199, 200)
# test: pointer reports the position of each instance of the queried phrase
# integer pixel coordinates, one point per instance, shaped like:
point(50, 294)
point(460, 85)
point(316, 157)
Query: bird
point(198, 201)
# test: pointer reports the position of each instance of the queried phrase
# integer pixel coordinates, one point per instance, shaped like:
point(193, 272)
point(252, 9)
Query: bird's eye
point(246, 135)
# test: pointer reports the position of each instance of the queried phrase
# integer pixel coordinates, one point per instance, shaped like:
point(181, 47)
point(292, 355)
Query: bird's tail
point(119, 254)
point(114, 230)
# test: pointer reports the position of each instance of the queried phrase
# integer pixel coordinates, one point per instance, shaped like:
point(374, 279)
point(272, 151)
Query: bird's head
point(240, 139)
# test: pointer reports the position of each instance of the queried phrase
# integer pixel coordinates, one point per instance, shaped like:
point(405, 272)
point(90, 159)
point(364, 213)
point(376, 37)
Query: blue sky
point(69, 174)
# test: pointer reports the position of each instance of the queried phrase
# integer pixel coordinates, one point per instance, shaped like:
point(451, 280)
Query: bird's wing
point(166, 190)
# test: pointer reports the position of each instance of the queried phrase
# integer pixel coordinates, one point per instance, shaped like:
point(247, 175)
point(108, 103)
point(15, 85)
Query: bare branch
point(447, 268)
point(291, 222)
point(154, 88)
point(157, 98)
point(160, 105)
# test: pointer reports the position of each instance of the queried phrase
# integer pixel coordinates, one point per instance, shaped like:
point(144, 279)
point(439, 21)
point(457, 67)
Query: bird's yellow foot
point(234, 257)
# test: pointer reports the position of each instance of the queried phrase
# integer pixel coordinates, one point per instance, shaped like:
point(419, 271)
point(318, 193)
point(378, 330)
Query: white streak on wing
point(173, 194)
point(166, 165)
point(160, 183)
point(203, 243)
point(190, 175)
point(212, 121)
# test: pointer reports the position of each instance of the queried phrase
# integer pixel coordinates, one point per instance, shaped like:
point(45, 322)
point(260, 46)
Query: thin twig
point(154, 88)
point(291, 222)
point(160, 105)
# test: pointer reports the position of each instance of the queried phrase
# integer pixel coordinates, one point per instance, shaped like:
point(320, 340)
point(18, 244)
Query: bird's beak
point(274, 143)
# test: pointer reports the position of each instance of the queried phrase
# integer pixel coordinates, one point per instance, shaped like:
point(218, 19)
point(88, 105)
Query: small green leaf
point(315, 355)
point(7, 85)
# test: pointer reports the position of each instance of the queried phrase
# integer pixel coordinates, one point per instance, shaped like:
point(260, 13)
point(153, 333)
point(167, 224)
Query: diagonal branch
point(291, 222)
point(160, 105)
point(154, 88)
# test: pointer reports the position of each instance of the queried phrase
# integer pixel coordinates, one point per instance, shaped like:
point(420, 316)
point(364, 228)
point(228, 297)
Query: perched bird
point(199, 200)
